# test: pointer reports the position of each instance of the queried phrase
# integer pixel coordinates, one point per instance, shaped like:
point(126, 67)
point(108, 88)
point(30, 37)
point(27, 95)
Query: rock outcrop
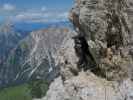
point(89, 87)
point(106, 26)
point(97, 63)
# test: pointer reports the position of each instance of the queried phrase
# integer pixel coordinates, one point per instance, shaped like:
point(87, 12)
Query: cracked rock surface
point(97, 63)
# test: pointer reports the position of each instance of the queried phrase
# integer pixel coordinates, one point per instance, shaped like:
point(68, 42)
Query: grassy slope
point(16, 93)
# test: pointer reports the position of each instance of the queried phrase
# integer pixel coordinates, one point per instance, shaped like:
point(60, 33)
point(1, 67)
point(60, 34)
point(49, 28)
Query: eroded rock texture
point(97, 63)
point(106, 26)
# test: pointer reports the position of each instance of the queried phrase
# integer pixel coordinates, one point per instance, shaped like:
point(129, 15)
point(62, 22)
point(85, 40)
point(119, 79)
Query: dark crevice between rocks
point(82, 51)
point(87, 60)
point(114, 30)
point(116, 25)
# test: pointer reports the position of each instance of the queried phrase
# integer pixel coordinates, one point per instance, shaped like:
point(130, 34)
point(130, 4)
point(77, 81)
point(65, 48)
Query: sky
point(35, 10)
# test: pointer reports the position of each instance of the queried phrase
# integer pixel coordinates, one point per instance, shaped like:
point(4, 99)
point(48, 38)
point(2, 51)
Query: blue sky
point(35, 10)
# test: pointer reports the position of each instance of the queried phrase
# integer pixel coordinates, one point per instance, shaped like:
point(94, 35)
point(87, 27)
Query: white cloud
point(41, 16)
point(65, 15)
point(8, 7)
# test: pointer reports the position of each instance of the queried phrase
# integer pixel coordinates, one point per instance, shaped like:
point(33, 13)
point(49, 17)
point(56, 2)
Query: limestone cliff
point(34, 57)
point(97, 63)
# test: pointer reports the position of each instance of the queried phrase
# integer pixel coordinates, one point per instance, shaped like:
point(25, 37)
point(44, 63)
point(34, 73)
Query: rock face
point(97, 63)
point(89, 87)
point(34, 57)
point(106, 26)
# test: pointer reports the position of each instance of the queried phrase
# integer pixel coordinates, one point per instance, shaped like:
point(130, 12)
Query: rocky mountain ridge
point(9, 39)
point(34, 57)
point(97, 63)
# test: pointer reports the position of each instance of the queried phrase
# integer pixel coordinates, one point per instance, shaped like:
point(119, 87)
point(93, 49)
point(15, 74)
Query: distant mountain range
point(11, 33)
point(9, 38)
point(32, 26)
point(28, 49)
